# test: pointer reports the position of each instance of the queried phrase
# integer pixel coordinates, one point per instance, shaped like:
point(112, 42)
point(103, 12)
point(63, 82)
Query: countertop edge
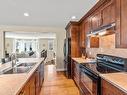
point(114, 84)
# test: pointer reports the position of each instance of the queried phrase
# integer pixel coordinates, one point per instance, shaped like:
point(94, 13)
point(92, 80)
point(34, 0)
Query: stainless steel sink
point(20, 68)
point(26, 64)
point(17, 70)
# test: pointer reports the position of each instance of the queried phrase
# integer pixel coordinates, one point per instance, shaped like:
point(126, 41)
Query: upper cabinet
point(82, 35)
point(96, 20)
point(103, 14)
point(91, 42)
point(72, 32)
point(121, 27)
point(108, 13)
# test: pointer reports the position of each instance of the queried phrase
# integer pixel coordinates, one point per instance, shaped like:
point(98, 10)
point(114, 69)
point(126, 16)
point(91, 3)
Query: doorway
point(30, 45)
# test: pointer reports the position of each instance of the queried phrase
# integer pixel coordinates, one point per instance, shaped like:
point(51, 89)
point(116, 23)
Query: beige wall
point(1, 44)
point(60, 35)
point(9, 45)
point(43, 44)
point(107, 46)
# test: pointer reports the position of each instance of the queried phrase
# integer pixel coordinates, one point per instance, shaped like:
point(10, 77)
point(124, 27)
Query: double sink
point(20, 68)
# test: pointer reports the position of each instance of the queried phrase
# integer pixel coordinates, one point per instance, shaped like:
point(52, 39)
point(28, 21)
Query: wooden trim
point(118, 23)
point(93, 9)
point(71, 23)
point(96, 6)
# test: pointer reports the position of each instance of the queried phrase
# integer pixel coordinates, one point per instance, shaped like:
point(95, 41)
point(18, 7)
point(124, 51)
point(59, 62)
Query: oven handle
point(90, 75)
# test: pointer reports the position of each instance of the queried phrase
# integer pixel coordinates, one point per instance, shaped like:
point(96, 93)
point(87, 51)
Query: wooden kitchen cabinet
point(29, 88)
point(104, 12)
point(82, 35)
point(37, 81)
point(39, 78)
point(33, 86)
point(41, 74)
point(76, 72)
point(25, 90)
point(109, 89)
point(121, 28)
point(108, 13)
point(91, 42)
point(104, 15)
point(72, 32)
point(87, 31)
point(96, 20)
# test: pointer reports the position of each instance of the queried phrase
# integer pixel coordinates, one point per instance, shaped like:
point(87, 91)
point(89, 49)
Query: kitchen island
point(14, 84)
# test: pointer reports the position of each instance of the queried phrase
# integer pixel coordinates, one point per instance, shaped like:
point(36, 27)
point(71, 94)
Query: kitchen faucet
point(13, 59)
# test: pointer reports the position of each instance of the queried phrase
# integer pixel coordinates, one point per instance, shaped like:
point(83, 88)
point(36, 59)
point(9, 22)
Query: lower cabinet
point(75, 70)
point(25, 90)
point(29, 88)
point(33, 86)
point(109, 89)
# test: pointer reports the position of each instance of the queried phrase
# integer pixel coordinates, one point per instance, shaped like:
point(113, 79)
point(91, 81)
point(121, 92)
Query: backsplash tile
point(107, 46)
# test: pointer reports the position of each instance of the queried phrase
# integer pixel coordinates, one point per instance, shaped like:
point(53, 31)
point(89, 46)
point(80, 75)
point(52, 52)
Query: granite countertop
point(11, 84)
point(83, 60)
point(117, 79)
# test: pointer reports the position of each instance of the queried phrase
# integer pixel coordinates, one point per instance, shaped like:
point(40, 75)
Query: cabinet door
point(87, 31)
point(37, 82)
point(41, 74)
point(82, 35)
point(25, 90)
point(108, 13)
point(75, 50)
point(109, 89)
point(76, 73)
point(32, 85)
point(123, 30)
point(91, 42)
point(96, 20)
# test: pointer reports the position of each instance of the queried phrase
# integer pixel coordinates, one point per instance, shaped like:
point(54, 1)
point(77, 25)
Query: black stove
point(107, 64)
point(89, 72)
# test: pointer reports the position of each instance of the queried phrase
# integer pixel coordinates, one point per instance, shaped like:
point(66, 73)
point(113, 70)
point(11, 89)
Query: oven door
point(88, 82)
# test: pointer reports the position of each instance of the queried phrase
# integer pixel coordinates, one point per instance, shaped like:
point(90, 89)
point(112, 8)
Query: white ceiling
point(55, 13)
point(30, 35)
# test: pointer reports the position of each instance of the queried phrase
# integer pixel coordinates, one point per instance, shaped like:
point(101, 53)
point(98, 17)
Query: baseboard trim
point(60, 69)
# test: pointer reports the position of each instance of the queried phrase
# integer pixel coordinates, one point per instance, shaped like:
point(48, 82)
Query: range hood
point(104, 30)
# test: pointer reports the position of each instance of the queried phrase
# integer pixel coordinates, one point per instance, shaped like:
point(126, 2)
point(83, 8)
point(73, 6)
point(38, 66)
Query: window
point(25, 45)
point(50, 45)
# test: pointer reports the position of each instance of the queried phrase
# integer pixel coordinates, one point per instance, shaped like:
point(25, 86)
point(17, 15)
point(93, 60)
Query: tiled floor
point(56, 83)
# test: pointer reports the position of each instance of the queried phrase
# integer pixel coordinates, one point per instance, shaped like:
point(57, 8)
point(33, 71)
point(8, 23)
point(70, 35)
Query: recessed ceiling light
point(26, 14)
point(73, 17)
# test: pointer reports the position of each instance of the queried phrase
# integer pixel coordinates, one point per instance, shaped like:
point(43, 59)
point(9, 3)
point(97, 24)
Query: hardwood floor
point(56, 83)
